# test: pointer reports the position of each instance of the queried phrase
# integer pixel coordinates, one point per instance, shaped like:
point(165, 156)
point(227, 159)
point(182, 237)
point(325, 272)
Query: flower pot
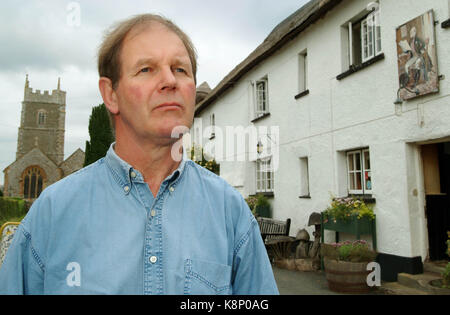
point(346, 276)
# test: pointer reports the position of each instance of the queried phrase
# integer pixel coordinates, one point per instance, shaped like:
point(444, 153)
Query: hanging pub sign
point(417, 59)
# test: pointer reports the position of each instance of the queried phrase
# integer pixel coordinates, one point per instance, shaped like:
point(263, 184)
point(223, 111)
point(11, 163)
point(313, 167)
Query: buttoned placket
point(153, 245)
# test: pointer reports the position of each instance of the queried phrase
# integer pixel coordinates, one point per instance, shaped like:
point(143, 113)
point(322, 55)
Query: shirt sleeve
point(22, 271)
point(252, 271)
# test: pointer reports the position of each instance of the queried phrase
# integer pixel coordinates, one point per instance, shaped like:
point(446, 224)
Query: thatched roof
point(284, 32)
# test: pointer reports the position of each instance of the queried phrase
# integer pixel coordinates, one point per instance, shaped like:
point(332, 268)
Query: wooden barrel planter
point(346, 277)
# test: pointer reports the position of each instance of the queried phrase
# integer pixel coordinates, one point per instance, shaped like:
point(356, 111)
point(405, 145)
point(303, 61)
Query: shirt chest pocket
point(203, 277)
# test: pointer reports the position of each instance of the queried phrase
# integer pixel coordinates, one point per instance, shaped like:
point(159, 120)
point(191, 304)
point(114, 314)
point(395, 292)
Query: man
point(138, 221)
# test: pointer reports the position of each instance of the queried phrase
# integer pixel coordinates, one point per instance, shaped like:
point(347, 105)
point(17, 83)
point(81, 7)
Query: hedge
point(12, 208)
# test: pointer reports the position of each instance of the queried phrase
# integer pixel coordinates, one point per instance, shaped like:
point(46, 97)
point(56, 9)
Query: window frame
point(33, 182)
point(362, 171)
point(303, 71)
point(261, 108)
point(212, 123)
point(264, 175)
point(372, 23)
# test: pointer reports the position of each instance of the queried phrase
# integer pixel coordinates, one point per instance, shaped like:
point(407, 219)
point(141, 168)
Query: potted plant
point(349, 215)
point(346, 209)
point(346, 265)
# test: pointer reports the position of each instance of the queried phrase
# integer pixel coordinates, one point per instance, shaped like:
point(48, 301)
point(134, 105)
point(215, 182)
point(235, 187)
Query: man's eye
point(180, 70)
point(145, 69)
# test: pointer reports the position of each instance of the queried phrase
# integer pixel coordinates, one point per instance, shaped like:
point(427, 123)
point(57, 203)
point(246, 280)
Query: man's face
point(156, 91)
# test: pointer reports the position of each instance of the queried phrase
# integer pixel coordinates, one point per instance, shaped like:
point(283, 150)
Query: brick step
point(422, 282)
point(435, 267)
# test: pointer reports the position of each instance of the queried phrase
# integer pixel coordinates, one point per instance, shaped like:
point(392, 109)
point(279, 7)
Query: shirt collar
point(123, 172)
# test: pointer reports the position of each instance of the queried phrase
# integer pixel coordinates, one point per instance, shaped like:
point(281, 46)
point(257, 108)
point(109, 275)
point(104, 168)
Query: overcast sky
point(46, 40)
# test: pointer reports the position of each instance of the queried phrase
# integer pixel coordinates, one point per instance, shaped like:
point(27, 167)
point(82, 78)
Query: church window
point(42, 117)
point(33, 180)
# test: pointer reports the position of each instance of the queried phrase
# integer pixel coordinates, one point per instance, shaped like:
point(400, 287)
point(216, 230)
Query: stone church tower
point(42, 123)
point(40, 145)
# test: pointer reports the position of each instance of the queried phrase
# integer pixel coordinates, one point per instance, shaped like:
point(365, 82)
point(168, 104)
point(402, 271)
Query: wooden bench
point(271, 228)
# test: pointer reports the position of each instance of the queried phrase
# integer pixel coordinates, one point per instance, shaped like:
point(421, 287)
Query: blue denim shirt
point(101, 231)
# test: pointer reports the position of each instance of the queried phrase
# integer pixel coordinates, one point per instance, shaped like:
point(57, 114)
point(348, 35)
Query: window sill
point(261, 117)
point(446, 24)
point(366, 198)
point(357, 68)
point(305, 92)
point(265, 194)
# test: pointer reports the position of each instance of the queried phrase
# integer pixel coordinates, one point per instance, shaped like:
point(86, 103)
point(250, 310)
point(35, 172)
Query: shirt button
point(133, 174)
point(153, 212)
point(171, 189)
point(126, 188)
point(153, 259)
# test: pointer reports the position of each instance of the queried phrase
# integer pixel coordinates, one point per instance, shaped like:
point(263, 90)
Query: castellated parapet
point(56, 97)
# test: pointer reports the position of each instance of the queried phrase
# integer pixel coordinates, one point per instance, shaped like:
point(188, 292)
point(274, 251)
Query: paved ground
point(303, 283)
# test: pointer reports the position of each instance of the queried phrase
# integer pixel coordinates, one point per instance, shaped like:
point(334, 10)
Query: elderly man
point(140, 221)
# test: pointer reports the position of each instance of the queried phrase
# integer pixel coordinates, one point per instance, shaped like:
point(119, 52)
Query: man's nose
point(167, 79)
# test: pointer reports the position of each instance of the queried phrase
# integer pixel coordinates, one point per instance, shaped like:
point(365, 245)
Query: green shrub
point(12, 209)
point(263, 207)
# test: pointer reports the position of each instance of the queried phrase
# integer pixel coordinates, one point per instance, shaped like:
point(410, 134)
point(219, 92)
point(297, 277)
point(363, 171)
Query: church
point(40, 145)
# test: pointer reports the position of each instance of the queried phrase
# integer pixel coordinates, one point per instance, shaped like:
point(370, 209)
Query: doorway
point(436, 168)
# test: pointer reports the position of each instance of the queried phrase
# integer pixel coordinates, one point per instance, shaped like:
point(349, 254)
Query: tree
point(101, 135)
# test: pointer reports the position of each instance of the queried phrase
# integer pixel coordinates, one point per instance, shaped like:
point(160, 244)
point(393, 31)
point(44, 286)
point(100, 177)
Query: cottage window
point(364, 38)
point(304, 177)
point(303, 71)
point(359, 172)
point(264, 175)
point(262, 98)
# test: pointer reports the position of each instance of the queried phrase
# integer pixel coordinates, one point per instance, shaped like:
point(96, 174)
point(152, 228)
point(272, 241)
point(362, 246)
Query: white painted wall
point(338, 116)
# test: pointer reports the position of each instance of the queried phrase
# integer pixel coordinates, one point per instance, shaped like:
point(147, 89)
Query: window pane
point(370, 41)
point(366, 160)
point(368, 180)
point(358, 161)
point(33, 186)
point(351, 181)
point(26, 187)
point(351, 166)
point(358, 181)
point(39, 186)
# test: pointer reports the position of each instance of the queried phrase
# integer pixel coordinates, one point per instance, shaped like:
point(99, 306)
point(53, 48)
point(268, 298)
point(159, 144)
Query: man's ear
point(109, 95)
